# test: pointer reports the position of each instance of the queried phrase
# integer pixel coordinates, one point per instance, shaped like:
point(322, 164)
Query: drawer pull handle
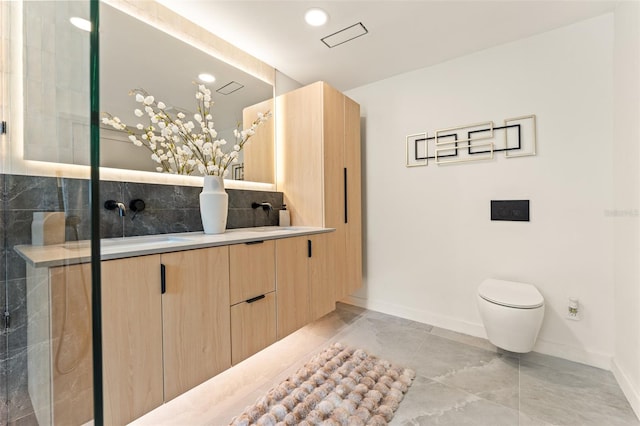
point(163, 279)
point(254, 242)
point(346, 197)
point(255, 299)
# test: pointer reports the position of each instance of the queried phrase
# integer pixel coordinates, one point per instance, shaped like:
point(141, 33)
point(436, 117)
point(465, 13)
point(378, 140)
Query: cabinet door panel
point(253, 270)
point(322, 267)
point(131, 338)
point(333, 145)
point(195, 318)
point(353, 232)
point(292, 285)
point(71, 352)
point(253, 327)
point(300, 155)
point(335, 178)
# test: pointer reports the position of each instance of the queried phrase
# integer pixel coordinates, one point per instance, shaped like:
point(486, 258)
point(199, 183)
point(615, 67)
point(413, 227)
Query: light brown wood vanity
point(178, 311)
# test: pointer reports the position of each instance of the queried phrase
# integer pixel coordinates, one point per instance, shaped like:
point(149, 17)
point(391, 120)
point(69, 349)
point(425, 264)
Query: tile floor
point(461, 380)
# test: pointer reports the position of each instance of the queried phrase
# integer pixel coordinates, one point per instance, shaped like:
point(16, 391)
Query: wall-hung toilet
point(512, 313)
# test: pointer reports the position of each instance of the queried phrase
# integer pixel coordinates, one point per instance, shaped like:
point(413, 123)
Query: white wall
point(626, 212)
point(429, 241)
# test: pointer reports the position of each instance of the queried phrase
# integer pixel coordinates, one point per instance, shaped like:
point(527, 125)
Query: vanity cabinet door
point(252, 270)
point(195, 318)
point(71, 347)
point(292, 284)
point(253, 326)
point(322, 279)
point(131, 338)
point(353, 213)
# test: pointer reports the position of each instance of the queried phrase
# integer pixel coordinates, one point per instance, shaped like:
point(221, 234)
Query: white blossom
point(181, 147)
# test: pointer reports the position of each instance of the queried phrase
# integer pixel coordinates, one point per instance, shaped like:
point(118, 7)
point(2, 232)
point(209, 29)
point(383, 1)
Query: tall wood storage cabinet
point(318, 143)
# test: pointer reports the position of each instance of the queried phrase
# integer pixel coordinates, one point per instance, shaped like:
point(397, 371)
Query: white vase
point(214, 203)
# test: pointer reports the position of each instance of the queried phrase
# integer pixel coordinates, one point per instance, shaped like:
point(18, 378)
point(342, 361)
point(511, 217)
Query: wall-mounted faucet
point(112, 205)
point(267, 207)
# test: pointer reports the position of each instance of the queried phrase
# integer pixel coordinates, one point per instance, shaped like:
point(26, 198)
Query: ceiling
point(402, 35)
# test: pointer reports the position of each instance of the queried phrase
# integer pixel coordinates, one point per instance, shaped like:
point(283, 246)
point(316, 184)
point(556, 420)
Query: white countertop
point(73, 252)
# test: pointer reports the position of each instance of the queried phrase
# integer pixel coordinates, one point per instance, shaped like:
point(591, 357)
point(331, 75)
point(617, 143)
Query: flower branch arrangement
point(181, 145)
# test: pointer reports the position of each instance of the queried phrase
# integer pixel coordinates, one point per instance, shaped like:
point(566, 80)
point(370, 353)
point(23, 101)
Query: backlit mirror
point(135, 55)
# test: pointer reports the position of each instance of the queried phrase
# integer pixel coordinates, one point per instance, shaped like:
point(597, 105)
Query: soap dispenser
point(285, 219)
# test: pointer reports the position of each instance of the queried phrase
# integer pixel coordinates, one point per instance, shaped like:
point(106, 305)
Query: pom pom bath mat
point(339, 386)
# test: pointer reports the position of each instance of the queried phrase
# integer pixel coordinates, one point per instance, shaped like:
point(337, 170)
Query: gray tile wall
point(168, 209)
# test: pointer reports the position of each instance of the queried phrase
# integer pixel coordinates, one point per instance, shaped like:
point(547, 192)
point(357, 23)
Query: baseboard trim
point(476, 330)
point(570, 353)
point(575, 354)
point(632, 394)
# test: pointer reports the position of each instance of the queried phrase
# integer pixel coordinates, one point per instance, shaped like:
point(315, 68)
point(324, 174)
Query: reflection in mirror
point(134, 55)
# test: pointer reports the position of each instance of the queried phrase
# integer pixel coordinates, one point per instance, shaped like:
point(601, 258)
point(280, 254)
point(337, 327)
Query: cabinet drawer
point(252, 270)
point(253, 327)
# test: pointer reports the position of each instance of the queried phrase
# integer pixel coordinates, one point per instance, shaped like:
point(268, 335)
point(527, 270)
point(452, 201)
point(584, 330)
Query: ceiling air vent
point(229, 88)
point(345, 35)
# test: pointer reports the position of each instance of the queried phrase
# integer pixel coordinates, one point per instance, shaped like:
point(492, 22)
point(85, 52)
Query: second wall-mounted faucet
point(267, 207)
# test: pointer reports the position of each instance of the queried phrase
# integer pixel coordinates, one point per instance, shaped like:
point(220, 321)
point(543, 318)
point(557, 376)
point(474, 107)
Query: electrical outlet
point(574, 311)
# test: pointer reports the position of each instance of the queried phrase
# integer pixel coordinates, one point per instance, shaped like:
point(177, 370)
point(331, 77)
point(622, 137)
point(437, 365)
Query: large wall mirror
point(136, 55)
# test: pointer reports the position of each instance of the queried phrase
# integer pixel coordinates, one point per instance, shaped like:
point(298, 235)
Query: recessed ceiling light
point(316, 17)
point(207, 78)
point(81, 23)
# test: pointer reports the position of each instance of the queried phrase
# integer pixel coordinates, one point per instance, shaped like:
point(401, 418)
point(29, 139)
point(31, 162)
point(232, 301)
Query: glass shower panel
point(46, 348)
point(5, 24)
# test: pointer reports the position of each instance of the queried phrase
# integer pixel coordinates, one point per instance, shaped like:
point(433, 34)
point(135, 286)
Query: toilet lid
point(510, 293)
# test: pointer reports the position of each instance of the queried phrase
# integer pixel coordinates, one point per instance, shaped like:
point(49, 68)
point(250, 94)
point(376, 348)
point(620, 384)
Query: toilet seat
point(510, 294)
